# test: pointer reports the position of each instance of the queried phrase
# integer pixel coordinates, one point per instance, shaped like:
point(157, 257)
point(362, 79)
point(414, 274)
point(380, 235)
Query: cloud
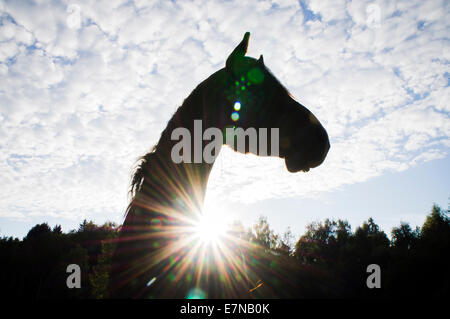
point(87, 87)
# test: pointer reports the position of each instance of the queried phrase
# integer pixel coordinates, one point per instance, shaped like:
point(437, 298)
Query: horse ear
point(239, 51)
point(261, 60)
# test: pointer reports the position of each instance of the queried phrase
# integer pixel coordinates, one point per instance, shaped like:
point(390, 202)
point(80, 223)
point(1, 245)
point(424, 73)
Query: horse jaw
point(294, 166)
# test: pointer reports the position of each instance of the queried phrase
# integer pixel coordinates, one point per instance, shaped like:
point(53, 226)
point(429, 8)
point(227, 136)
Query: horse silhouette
point(155, 256)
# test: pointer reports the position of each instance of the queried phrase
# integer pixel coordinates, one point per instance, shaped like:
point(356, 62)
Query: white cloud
point(329, 10)
point(79, 103)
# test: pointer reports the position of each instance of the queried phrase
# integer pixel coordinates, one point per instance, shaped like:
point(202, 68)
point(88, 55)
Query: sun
point(211, 227)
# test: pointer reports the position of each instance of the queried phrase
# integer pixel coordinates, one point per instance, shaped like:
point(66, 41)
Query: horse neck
point(167, 186)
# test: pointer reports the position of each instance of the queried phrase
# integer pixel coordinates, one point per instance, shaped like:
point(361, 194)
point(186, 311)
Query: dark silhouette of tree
point(262, 235)
point(435, 230)
point(322, 241)
point(286, 243)
point(432, 254)
point(99, 278)
point(404, 238)
point(57, 230)
point(38, 232)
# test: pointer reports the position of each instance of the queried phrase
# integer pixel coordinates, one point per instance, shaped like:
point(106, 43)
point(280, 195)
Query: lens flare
point(210, 228)
point(235, 116)
point(196, 293)
point(151, 282)
point(256, 76)
point(237, 105)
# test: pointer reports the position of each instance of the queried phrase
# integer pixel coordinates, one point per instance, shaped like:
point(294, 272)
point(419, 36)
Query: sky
point(86, 87)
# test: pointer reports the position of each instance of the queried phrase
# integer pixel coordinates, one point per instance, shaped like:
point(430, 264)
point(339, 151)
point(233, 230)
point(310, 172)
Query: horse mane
point(143, 165)
point(142, 168)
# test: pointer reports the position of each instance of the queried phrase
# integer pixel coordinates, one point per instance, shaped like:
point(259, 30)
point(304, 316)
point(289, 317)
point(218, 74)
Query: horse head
point(253, 97)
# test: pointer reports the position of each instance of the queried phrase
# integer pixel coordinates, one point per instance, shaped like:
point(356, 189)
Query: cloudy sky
point(87, 86)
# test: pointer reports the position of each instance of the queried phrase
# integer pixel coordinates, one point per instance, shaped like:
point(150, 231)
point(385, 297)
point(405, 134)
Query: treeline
point(328, 260)
point(35, 267)
point(413, 263)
